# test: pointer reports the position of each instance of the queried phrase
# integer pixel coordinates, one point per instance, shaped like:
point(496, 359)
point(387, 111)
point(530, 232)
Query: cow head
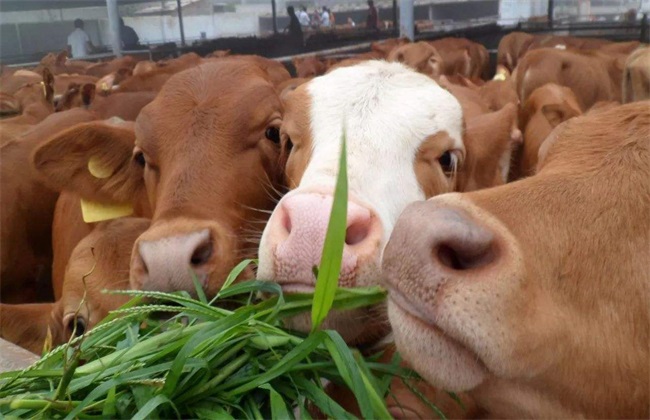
point(546, 108)
point(534, 295)
point(206, 160)
point(419, 56)
point(404, 142)
point(99, 262)
point(308, 66)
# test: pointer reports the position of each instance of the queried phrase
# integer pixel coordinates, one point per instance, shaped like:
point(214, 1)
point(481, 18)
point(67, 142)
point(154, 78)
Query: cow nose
point(304, 220)
point(169, 263)
point(438, 243)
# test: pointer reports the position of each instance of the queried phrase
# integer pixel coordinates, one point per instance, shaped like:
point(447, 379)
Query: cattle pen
point(351, 209)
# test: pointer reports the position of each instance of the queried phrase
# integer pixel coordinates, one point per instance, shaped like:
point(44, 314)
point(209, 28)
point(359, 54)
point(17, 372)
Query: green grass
point(201, 360)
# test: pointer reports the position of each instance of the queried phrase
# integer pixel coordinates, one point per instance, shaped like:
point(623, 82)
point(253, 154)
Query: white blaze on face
point(388, 111)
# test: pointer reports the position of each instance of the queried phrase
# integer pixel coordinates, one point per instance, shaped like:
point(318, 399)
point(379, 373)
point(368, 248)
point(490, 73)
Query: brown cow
point(99, 262)
point(26, 207)
point(383, 48)
point(123, 105)
point(35, 103)
point(206, 157)
point(592, 76)
point(310, 66)
point(490, 140)
point(636, 78)
point(512, 47)
point(546, 108)
point(533, 296)
point(105, 68)
point(462, 56)
point(420, 56)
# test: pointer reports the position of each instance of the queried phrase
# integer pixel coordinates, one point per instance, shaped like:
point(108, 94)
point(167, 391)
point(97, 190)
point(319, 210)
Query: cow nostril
point(202, 254)
point(357, 232)
point(463, 257)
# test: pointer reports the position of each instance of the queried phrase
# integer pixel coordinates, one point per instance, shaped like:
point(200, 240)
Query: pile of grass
point(203, 362)
point(206, 361)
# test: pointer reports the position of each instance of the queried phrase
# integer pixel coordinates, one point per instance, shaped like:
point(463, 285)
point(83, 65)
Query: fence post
point(406, 22)
point(644, 29)
point(114, 25)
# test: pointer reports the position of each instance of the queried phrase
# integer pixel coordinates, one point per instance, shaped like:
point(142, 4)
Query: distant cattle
point(636, 78)
point(546, 108)
point(420, 56)
point(592, 76)
point(533, 297)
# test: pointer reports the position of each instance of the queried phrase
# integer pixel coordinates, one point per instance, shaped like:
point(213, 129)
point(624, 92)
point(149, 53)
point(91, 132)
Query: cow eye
point(273, 134)
point(77, 326)
point(138, 157)
point(448, 162)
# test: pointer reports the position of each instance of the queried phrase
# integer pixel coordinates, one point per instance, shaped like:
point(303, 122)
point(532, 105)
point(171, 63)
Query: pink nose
point(301, 224)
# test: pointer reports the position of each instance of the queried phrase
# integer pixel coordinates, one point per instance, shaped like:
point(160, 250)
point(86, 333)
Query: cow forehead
point(387, 110)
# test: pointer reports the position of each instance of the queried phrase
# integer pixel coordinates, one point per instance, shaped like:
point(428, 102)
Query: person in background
point(332, 18)
point(351, 22)
point(294, 28)
point(79, 44)
point(130, 39)
point(303, 17)
point(315, 18)
point(325, 18)
point(372, 19)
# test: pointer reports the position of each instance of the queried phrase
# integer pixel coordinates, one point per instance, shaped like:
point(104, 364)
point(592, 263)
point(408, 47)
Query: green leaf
point(330, 263)
point(234, 273)
point(157, 401)
point(278, 407)
point(200, 293)
point(110, 408)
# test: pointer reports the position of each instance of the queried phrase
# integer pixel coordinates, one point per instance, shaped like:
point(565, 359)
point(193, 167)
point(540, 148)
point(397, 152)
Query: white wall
point(154, 29)
point(511, 11)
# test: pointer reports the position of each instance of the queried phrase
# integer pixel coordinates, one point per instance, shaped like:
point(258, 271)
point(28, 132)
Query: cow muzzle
point(171, 254)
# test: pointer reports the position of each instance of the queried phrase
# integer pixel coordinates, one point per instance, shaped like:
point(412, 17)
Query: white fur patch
point(388, 111)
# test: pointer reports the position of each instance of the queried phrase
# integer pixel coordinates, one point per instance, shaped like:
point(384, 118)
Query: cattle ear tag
point(92, 211)
point(98, 169)
point(44, 89)
point(499, 76)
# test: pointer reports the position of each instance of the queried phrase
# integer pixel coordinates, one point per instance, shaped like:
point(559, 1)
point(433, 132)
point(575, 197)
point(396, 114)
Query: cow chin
point(439, 359)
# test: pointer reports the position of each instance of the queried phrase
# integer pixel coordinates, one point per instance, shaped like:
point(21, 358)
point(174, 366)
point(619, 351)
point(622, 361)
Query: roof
point(23, 5)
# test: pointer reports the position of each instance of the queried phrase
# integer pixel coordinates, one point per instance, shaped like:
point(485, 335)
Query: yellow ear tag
point(105, 87)
point(97, 169)
point(44, 89)
point(500, 76)
point(93, 211)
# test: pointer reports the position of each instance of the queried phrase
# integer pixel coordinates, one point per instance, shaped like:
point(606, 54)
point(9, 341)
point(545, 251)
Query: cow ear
point(556, 114)
point(87, 94)
point(31, 325)
point(93, 160)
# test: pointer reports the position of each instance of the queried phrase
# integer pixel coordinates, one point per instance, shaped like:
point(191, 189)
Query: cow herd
point(506, 216)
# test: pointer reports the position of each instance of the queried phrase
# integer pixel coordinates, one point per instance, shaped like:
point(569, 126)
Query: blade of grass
point(234, 273)
point(330, 263)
